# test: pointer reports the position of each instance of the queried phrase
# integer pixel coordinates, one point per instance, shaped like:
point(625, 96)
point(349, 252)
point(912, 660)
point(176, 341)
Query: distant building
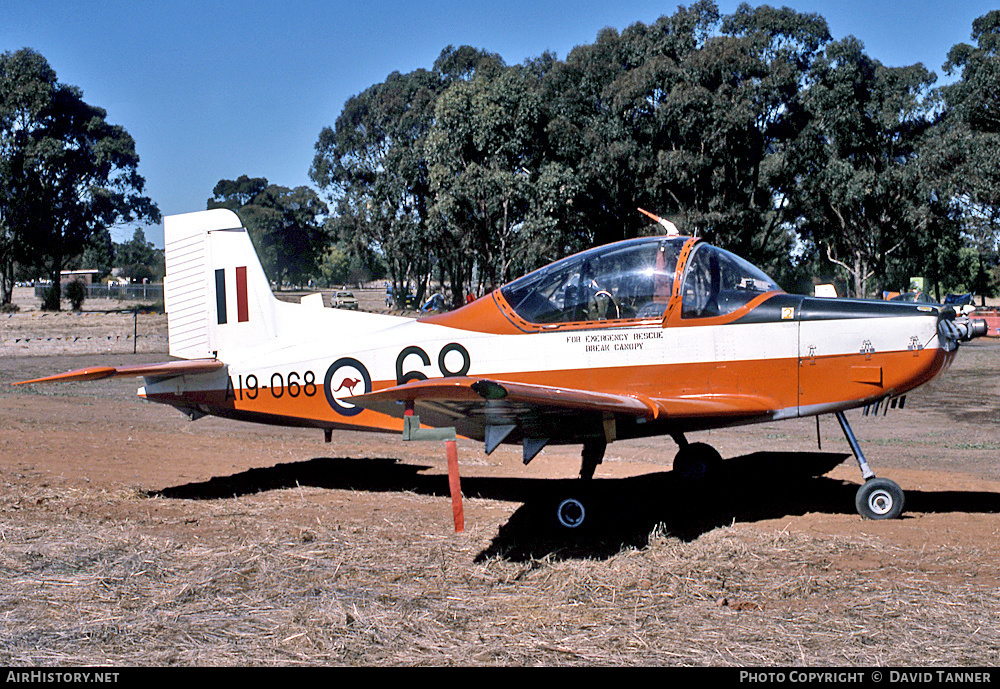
point(87, 277)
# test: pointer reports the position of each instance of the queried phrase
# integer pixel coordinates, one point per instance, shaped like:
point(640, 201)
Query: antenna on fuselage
point(667, 225)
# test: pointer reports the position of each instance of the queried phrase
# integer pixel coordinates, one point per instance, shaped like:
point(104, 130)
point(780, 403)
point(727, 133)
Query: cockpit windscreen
point(717, 282)
point(628, 280)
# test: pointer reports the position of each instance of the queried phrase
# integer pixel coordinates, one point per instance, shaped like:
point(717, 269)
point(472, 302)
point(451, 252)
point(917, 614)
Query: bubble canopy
point(634, 280)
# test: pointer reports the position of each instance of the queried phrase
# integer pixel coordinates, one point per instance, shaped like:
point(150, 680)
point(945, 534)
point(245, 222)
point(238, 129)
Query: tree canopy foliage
point(135, 259)
point(756, 130)
point(962, 158)
point(66, 174)
point(285, 225)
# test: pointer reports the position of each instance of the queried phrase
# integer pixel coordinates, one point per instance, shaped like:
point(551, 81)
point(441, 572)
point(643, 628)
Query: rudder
point(216, 294)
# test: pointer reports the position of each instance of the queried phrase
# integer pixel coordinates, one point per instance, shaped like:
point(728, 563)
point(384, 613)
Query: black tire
point(879, 498)
point(570, 513)
point(697, 462)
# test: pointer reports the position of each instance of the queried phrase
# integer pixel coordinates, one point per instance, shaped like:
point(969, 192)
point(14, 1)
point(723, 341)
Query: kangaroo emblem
point(348, 383)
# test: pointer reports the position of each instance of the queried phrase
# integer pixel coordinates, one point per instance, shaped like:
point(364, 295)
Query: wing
point(168, 369)
point(460, 393)
point(487, 409)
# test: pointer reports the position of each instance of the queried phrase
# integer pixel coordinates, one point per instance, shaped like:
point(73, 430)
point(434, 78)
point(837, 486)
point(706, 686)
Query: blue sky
point(213, 90)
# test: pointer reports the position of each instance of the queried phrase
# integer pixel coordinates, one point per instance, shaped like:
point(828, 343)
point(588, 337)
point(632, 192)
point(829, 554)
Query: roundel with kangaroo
point(345, 378)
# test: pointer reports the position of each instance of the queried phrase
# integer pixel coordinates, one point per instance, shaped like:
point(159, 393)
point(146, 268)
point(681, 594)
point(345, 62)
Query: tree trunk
point(52, 297)
point(6, 282)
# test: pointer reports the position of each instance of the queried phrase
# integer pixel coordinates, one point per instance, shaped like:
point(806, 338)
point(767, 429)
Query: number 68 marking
point(402, 378)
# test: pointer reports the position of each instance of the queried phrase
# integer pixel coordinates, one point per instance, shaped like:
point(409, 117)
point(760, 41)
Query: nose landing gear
point(877, 498)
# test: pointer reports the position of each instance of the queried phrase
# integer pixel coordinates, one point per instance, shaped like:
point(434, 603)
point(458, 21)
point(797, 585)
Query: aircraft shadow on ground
point(621, 513)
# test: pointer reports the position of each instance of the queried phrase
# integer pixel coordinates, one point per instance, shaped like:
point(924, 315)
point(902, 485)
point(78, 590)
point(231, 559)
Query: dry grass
point(243, 582)
point(92, 573)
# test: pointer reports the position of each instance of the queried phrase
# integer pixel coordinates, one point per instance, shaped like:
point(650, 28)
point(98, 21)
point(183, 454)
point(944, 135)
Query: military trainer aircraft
point(664, 335)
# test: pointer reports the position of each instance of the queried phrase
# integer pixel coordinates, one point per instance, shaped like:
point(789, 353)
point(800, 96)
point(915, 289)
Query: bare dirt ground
point(130, 536)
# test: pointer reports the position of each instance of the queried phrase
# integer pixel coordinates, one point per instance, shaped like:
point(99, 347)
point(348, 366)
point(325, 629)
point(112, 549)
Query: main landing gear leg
point(592, 455)
point(877, 498)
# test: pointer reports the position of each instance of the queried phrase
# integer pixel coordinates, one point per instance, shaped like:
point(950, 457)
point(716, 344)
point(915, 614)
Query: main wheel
point(879, 498)
point(697, 461)
point(570, 513)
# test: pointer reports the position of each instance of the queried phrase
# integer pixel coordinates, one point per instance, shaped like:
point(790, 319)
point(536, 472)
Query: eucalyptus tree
point(750, 129)
point(976, 97)
point(962, 156)
point(484, 153)
point(586, 138)
point(66, 174)
point(697, 116)
point(286, 225)
point(860, 199)
point(372, 167)
point(236, 193)
point(98, 254)
point(138, 258)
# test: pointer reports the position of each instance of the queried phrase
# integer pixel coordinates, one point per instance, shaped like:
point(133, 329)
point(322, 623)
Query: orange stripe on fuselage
point(484, 315)
point(283, 405)
point(829, 380)
point(782, 383)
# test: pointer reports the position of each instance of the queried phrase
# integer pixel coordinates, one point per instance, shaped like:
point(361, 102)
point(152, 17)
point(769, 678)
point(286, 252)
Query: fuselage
point(722, 349)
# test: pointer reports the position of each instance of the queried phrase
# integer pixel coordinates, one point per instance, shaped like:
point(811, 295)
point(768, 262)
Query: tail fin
point(216, 293)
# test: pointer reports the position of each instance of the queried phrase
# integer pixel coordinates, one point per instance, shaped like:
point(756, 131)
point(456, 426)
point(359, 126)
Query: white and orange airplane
point(662, 335)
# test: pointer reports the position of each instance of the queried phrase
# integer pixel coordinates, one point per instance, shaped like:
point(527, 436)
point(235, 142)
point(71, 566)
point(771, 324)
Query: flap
point(478, 391)
point(474, 406)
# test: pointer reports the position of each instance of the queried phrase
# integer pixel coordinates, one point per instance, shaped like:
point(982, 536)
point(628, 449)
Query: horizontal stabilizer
point(167, 369)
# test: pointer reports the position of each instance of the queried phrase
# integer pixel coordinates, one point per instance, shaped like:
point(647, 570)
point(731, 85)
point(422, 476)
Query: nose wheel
point(879, 498)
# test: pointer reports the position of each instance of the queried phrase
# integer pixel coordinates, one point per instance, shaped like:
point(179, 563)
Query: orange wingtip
point(165, 369)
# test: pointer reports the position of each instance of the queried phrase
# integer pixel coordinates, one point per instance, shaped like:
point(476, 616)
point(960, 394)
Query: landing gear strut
point(877, 498)
point(592, 455)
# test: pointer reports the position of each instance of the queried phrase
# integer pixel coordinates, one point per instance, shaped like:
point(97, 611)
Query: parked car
point(344, 300)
